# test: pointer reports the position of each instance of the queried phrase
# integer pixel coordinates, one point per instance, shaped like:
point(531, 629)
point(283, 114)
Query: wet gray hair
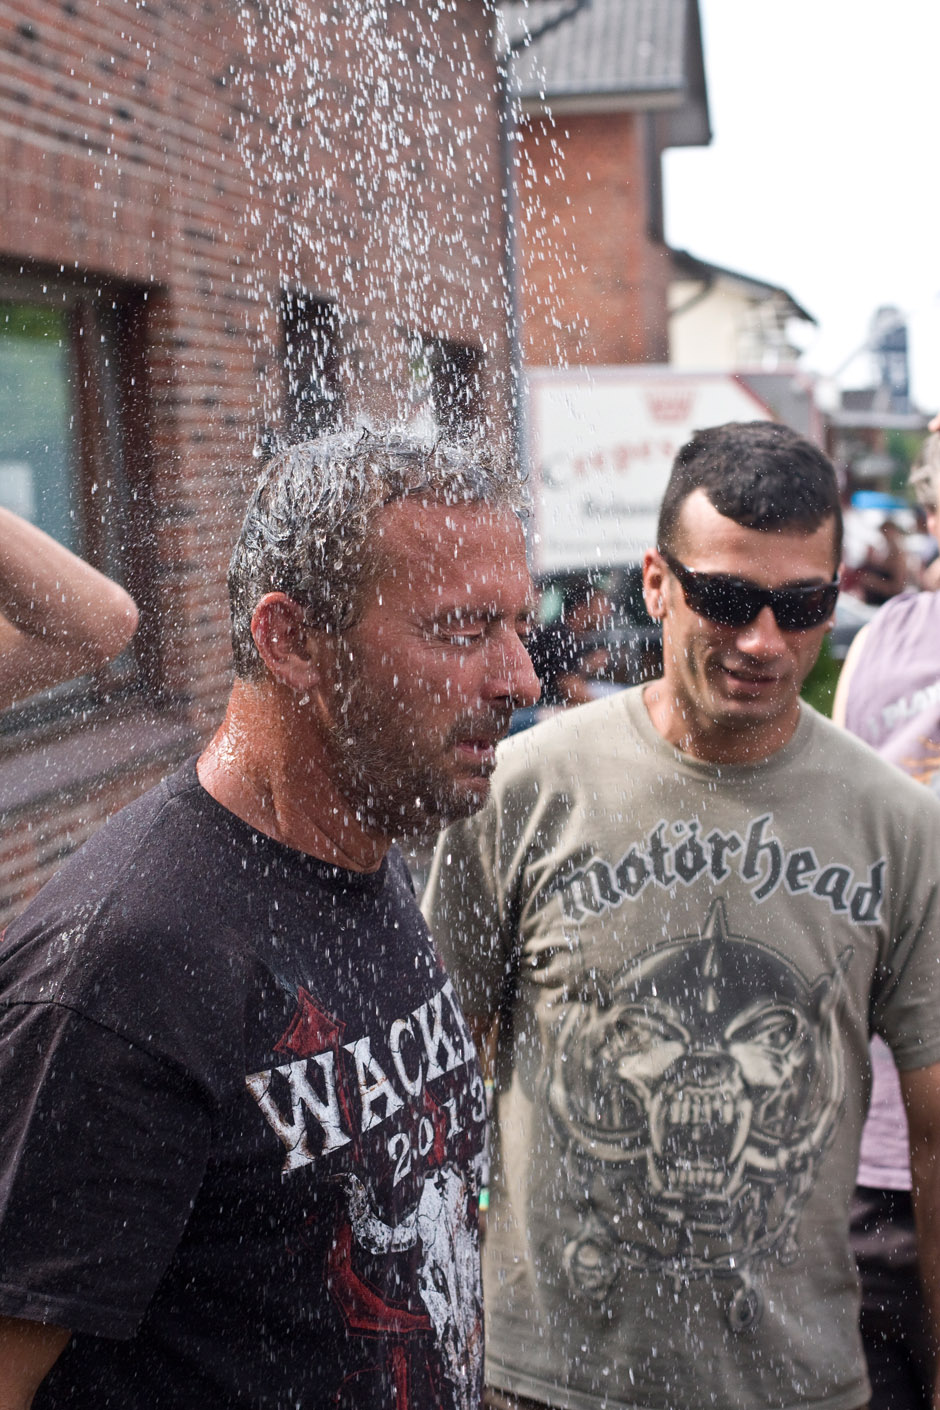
point(925, 472)
point(308, 528)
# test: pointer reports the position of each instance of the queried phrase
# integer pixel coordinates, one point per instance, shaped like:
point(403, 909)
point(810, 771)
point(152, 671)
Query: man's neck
point(269, 767)
point(737, 744)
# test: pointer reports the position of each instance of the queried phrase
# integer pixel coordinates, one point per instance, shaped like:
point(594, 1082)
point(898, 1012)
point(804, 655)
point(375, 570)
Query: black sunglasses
point(734, 602)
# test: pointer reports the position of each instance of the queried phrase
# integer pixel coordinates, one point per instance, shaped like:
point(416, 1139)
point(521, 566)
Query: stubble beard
point(385, 775)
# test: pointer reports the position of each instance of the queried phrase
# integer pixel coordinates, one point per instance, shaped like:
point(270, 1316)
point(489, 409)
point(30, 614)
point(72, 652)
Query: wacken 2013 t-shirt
point(241, 1126)
point(686, 960)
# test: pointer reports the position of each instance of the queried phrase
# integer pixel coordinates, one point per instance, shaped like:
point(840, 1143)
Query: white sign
point(602, 443)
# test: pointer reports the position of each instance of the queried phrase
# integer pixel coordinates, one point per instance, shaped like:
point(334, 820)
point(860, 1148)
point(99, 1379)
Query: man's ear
point(654, 577)
point(286, 643)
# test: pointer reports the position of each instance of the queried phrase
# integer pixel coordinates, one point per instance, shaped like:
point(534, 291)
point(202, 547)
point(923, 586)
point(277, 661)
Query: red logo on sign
point(669, 406)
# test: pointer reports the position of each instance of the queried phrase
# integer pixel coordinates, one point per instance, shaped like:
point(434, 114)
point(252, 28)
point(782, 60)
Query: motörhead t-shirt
point(686, 960)
point(241, 1126)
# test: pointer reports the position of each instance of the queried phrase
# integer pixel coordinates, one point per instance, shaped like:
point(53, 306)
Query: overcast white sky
point(822, 175)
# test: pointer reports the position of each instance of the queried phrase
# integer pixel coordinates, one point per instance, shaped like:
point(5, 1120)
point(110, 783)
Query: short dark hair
point(309, 530)
point(758, 473)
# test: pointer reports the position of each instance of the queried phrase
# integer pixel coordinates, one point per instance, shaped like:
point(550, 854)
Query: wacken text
point(306, 1102)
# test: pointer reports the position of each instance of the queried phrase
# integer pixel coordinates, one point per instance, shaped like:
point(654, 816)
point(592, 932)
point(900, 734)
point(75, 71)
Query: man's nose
point(762, 635)
point(513, 674)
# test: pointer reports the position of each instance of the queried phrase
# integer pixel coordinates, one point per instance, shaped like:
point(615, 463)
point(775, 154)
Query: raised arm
point(921, 1090)
point(59, 617)
point(840, 701)
point(28, 1351)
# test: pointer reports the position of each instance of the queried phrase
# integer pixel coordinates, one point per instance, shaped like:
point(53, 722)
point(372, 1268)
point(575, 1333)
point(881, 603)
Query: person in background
point(924, 479)
point(59, 617)
point(565, 653)
point(889, 695)
point(884, 571)
point(679, 912)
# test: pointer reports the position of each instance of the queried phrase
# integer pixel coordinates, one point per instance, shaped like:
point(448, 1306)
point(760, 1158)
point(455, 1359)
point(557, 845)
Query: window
point(446, 380)
point(37, 444)
point(313, 400)
point(72, 400)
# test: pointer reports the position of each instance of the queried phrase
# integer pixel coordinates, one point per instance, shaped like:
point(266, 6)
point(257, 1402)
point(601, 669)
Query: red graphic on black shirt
point(437, 1116)
point(362, 1305)
point(433, 1242)
point(444, 1274)
point(311, 1030)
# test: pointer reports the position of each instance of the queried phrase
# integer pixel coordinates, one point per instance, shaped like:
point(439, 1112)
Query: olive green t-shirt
point(687, 960)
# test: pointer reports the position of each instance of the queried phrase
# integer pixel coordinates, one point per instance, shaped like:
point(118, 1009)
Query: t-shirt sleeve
point(463, 907)
point(102, 1150)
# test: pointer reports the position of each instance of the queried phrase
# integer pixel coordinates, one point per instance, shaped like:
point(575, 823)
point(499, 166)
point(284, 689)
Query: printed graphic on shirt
point(924, 765)
point(408, 1167)
point(703, 1088)
point(892, 716)
point(677, 853)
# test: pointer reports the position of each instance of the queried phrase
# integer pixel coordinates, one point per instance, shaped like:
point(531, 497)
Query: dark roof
point(614, 53)
point(686, 266)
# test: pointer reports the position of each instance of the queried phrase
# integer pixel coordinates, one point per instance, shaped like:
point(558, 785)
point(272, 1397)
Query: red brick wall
point(34, 849)
point(214, 161)
point(594, 282)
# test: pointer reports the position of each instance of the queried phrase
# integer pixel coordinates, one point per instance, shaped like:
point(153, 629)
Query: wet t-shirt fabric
point(686, 960)
point(241, 1126)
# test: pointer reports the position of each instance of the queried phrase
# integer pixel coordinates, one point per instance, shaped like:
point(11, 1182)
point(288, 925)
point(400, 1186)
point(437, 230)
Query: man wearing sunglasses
point(744, 618)
point(679, 915)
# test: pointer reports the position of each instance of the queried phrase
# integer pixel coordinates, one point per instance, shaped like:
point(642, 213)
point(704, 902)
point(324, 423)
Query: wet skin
point(388, 728)
point(427, 679)
point(731, 694)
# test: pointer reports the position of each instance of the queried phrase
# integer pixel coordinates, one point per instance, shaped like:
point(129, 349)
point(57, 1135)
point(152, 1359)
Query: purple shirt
point(894, 695)
point(894, 705)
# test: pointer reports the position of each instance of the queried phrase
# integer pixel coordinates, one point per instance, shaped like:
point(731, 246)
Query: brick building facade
point(595, 273)
point(605, 88)
point(221, 223)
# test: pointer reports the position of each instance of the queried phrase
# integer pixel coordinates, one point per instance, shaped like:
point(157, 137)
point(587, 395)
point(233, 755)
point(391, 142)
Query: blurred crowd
point(890, 541)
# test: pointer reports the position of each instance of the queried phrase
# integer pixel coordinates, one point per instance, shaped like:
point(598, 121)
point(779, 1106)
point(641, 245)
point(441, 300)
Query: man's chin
point(743, 710)
point(433, 812)
point(469, 798)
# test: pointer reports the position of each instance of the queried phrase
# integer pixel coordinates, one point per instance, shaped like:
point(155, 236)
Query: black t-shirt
point(241, 1124)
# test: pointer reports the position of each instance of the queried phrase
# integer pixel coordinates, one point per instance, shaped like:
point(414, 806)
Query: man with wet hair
point(242, 1116)
point(677, 917)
